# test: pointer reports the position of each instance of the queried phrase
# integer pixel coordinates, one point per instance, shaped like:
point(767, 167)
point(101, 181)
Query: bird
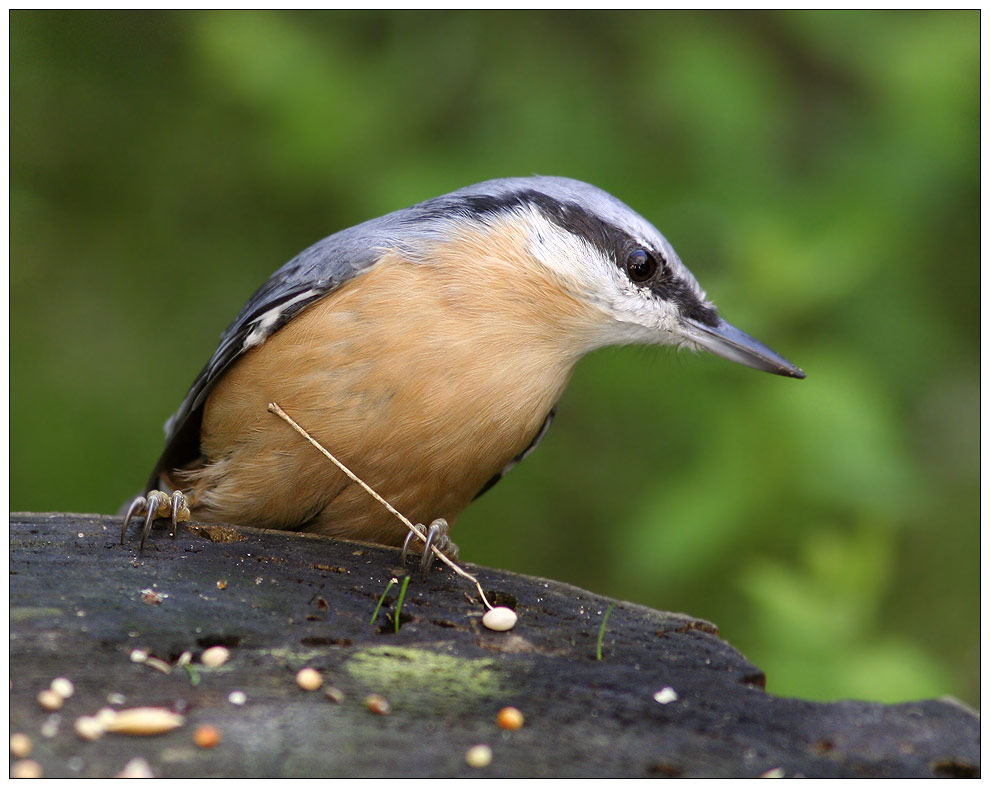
point(427, 349)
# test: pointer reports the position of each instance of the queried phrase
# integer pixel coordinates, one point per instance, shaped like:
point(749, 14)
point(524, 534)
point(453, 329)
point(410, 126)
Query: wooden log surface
point(81, 604)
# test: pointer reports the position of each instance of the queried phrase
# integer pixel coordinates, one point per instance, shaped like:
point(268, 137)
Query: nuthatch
point(426, 349)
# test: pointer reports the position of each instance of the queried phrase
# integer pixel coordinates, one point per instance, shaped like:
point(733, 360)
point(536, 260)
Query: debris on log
point(668, 697)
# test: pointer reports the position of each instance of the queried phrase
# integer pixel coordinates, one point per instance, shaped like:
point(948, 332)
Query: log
point(667, 698)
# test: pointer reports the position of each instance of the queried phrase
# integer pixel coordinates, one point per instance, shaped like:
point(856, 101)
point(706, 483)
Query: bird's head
point(606, 255)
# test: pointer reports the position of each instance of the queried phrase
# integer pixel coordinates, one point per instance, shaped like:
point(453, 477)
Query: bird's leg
point(157, 504)
point(437, 535)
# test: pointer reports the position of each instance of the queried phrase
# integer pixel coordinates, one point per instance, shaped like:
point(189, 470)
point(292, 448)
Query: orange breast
point(425, 378)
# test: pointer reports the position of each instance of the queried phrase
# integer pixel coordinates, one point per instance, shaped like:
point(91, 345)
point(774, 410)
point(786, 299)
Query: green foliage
point(818, 171)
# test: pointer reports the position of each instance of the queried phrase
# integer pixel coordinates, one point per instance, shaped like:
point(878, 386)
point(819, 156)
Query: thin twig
point(273, 407)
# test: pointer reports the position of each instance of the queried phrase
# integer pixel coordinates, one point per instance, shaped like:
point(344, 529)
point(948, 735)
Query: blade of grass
point(381, 599)
point(601, 631)
point(398, 604)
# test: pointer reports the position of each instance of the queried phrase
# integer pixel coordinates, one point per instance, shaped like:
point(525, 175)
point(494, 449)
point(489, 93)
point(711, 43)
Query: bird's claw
point(153, 506)
point(438, 536)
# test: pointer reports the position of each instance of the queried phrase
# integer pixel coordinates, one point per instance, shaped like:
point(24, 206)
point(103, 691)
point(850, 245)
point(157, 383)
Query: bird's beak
point(729, 342)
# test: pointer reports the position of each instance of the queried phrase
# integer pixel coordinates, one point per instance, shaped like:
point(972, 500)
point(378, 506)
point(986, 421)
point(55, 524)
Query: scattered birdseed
point(215, 656)
point(26, 770)
point(49, 728)
point(334, 694)
point(309, 679)
point(666, 695)
point(105, 715)
point(377, 704)
point(207, 736)
point(221, 584)
point(479, 756)
point(62, 687)
point(139, 655)
point(184, 659)
point(237, 697)
point(158, 664)
point(151, 597)
point(510, 719)
point(144, 721)
point(20, 745)
point(137, 767)
point(49, 700)
point(777, 771)
point(88, 728)
point(500, 619)
point(117, 698)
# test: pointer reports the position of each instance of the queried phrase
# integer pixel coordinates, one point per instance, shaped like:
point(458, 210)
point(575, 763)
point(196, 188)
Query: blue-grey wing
point(311, 275)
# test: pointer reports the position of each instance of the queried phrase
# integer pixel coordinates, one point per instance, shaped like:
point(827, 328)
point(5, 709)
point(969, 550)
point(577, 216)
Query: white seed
point(137, 767)
point(139, 655)
point(105, 715)
point(88, 728)
point(63, 687)
point(50, 701)
point(26, 770)
point(20, 745)
point(309, 679)
point(777, 771)
point(184, 659)
point(215, 656)
point(144, 721)
point(666, 695)
point(116, 698)
point(237, 697)
point(158, 664)
point(479, 756)
point(501, 619)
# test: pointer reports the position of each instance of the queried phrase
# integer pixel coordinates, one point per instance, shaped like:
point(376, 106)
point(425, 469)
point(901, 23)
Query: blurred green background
point(819, 173)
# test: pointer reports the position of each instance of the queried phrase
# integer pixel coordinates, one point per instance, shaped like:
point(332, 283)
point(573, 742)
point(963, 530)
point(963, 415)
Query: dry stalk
point(273, 407)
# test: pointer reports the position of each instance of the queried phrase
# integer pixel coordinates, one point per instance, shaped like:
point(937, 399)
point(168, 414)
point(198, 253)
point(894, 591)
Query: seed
point(334, 694)
point(63, 687)
point(144, 721)
point(139, 655)
point(510, 719)
point(105, 715)
point(221, 584)
point(666, 695)
point(20, 745)
point(237, 697)
point(206, 736)
point(377, 704)
point(137, 767)
point(26, 770)
point(309, 679)
point(215, 656)
point(50, 701)
point(479, 756)
point(88, 728)
point(500, 619)
point(49, 728)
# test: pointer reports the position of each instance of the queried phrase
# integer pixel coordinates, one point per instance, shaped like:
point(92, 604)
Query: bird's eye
point(641, 265)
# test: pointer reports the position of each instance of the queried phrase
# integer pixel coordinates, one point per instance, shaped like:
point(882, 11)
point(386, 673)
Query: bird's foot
point(155, 505)
point(438, 536)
